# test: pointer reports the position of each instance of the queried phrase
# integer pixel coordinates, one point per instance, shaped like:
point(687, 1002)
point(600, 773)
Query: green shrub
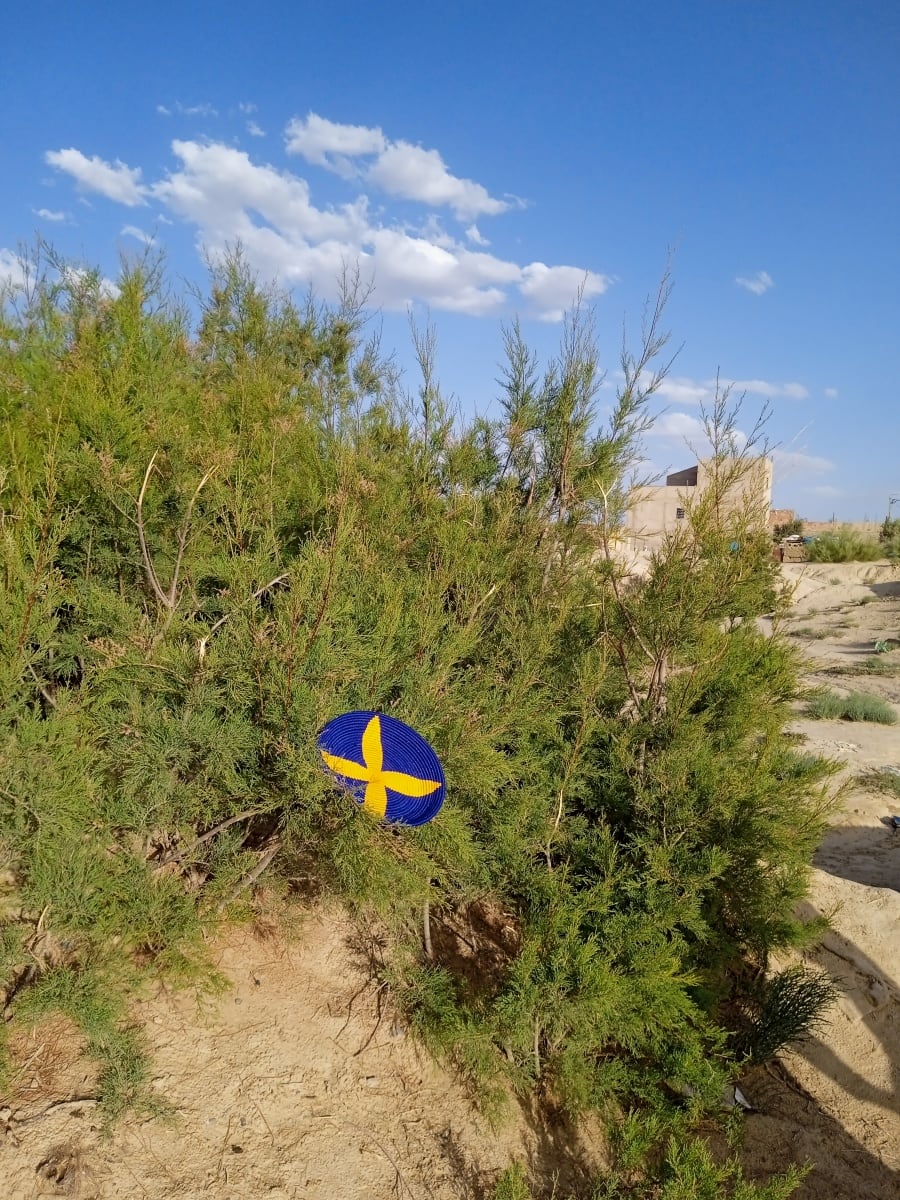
point(882, 780)
point(685, 1169)
point(681, 1166)
point(845, 545)
point(214, 539)
point(790, 1006)
point(787, 529)
point(857, 706)
point(513, 1184)
point(875, 664)
point(889, 537)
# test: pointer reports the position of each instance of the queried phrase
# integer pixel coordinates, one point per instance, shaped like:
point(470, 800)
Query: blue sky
point(483, 159)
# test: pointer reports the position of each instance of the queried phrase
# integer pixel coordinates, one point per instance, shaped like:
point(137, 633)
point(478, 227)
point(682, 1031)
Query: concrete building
point(780, 516)
point(656, 511)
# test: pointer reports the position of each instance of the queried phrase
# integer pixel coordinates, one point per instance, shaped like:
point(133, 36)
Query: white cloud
point(761, 387)
point(553, 289)
point(246, 108)
point(115, 180)
point(49, 214)
point(474, 234)
point(221, 191)
point(417, 174)
point(678, 425)
point(399, 168)
point(192, 110)
point(682, 390)
point(757, 284)
point(254, 130)
point(794, 462)
point(12, 271)
point(140, 235)
point(330, 144)
point(794, 391)
point(196, 110)
point(218, 188)
point(831, 393)
point(227, 197)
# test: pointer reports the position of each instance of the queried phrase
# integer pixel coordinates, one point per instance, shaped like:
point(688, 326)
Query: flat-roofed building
point(656, 511)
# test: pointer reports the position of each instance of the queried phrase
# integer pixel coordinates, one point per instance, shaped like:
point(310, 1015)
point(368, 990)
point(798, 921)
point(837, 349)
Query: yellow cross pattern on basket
point(370, 771)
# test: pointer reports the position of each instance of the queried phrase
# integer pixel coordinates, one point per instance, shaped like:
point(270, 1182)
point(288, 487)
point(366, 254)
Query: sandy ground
point(835, 1101)
point(300, 1081)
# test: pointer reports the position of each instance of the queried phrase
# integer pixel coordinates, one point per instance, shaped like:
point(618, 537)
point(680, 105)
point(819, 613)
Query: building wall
point(780, 516)
point(654, 511)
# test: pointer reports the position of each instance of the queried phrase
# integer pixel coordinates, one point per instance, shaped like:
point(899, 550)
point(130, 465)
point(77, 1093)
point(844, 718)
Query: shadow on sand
point(792, 1125)
point(887, 589)
point(557, 1166)
point(863, 853)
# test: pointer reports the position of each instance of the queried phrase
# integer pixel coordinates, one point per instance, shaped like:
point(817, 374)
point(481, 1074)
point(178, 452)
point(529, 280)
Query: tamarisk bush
point(215, 535)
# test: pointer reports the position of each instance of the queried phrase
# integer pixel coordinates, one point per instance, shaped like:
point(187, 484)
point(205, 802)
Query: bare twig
point(380, 1013)
point(168, 600)
point(182, 538)
point(142, 538)
point(204, 641)
point(263, 1119)
point(76, 1102)
point(251, 878)
point(50, 699)
point(479, 604)
point(209, 835)
point(426, 929)
point(314, 632)
point(400, 1181)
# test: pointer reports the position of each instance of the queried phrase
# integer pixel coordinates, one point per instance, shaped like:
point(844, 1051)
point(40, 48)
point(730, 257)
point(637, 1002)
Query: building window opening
point(679, 514)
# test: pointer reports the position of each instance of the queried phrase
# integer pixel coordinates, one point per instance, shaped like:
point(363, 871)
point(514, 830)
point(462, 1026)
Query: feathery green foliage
point(845, 545)
point(790, 1005)
point(213, 539)
point(856, 706)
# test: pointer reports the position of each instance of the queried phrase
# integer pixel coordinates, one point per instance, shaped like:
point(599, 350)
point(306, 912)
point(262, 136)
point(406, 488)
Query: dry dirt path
point(836, 1101)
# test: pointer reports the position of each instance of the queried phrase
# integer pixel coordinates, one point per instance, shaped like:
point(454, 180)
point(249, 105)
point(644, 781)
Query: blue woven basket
point(385, 765)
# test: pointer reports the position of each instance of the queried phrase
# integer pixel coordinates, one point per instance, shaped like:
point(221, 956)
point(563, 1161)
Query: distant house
point(657, 511)
point(780, 516)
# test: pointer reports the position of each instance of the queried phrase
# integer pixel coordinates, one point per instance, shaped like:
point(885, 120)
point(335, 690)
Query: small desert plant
point(845, 545)
point(873, 665)
point(512, 1184)
point(681, 1167)
point(857, 706)
point(889, 537)
point(787, 529)
point(791, 1005)
point(883, 780)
